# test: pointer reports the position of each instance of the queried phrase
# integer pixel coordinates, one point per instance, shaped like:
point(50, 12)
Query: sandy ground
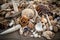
point(15, 36)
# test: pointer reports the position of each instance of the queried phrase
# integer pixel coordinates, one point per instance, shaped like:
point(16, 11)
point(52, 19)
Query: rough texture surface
point(15, 36)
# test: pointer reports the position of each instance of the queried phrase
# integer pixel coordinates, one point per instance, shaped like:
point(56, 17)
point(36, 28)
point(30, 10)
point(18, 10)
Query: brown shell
point(24, 21)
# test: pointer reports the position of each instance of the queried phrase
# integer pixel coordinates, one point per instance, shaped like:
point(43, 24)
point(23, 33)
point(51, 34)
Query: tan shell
point(28, 12)
point(44, 20)
point(50, 17)
point(31, 25)
point(55, 29)
point(53, 22)
point(48, 34)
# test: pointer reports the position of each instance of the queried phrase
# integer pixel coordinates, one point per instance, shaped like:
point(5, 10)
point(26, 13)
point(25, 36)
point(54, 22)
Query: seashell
point(15, 6)
point(44, 27)
point(38, 0)
point(43, 20)
point(38, 27)
point(48, 34)
point(29, 14)
point(49, 22)
point(58, 26)
point(4, 6)
point(31, 25)
point(51, 27)
point(14, 28)
point(36, 35)
point(11, 23)
point(55, 29)
point(21, 31)
point(47, 26)
point(50, 17)
point(25, 34)
point(24, 20)
point(53, 22)
point(8, 14)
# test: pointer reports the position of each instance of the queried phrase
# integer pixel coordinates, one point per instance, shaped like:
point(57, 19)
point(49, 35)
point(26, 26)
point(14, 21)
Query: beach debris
point(24, 20)
point(48, 34)
point(31, 25)
point(29, 14)
point(34, 18)
point(38, 27)
point(15, 6)
point(14, 28)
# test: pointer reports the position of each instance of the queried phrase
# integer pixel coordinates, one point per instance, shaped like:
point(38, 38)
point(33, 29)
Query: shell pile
point(37, 18)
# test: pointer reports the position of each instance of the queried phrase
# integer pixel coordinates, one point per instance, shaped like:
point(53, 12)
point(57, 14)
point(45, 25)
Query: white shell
point(4, 6)
point(11, 23)
point(44, 28)
point(38, 27)
point(21, 31)
point(14, 28)
point(36, 35)
point(28, 12)
point(48, 34)
point(51, 28)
